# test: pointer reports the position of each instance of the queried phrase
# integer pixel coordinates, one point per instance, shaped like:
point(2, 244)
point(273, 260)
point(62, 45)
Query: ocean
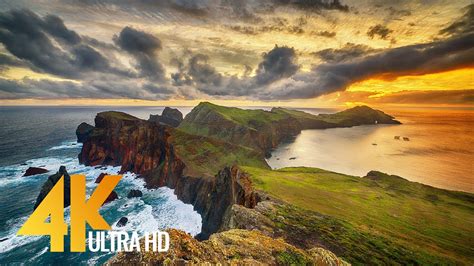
point(45, 137)
point(439, 153)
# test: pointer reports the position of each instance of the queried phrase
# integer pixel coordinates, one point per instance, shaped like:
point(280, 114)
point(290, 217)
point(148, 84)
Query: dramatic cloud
point(49, 46)
point(464, 25)
point(409, 60)
point(279, 63)
point(197, 72)
point(144, 47)
point(379, 30)
point(220, 63)
point(23, 34)
point(348, 52)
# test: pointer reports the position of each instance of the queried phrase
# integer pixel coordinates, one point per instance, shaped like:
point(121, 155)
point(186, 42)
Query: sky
point(301, 53)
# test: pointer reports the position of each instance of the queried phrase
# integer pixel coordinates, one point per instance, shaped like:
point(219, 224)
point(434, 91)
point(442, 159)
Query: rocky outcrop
point(170, 116)
point(233, 247)
point(112, 196)
point(214, 197)
point(100, 177)
point(145, 148)
point(34, 171)
point(122, 221)
point(136, 145)
point(49, 184)
point(83, 131)
point(134, 193)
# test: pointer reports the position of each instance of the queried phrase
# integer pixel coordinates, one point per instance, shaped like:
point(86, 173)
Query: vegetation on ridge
point(416, 223)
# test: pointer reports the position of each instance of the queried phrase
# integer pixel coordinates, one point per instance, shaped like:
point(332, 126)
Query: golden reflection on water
point(439, 151)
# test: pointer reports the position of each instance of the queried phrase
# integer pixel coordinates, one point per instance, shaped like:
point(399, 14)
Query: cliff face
point(148, 148)
point(145, 148)
point(211, 137)
point(136, 145)
point(256, 129)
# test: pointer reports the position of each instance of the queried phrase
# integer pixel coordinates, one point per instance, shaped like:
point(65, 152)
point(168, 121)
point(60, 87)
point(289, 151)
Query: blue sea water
point(45, 137)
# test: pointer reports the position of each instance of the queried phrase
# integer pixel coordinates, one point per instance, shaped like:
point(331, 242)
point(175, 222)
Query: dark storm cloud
point(348, 52)
point(46, 45)
point(23, 34)
point(6, 60)
point(380, 31)
point(463, 25)
point(137, 42)
point(278, 63)
point(144, 47)
point(31, 39)
point(197, 72)
point(55, 26)
point(88, 58)
point(408, 60)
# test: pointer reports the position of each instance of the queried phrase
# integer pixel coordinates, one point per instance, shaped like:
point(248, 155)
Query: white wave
point(66, 145)
point(162, 211)
point(39, 254)
point(175, 213)
point(13, 240)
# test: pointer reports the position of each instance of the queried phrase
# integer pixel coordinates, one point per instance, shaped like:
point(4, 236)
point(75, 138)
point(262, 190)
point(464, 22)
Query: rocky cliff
point(146, 148)
point(194, 158)
point(233, 247)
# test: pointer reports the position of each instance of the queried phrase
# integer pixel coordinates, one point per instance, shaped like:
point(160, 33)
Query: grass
point(422, 222)
point(118, 115)
point(205, 156)
point(248, 118)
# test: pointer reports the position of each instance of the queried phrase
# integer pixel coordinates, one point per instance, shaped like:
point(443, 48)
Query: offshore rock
point(134, 193)
point(34, 171)
point(49, 184)
point(100, 177)
point(112, 196)
point(122, 221)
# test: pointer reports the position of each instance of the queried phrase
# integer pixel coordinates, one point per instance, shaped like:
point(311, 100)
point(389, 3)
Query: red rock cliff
point(144, 148)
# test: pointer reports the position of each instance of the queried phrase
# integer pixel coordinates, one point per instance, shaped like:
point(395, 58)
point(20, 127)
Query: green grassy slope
point(205, 156)
point(206, 117)
point(386, 218)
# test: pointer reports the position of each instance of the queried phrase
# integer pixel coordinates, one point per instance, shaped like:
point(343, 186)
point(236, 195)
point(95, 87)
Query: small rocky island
point(214, 159)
